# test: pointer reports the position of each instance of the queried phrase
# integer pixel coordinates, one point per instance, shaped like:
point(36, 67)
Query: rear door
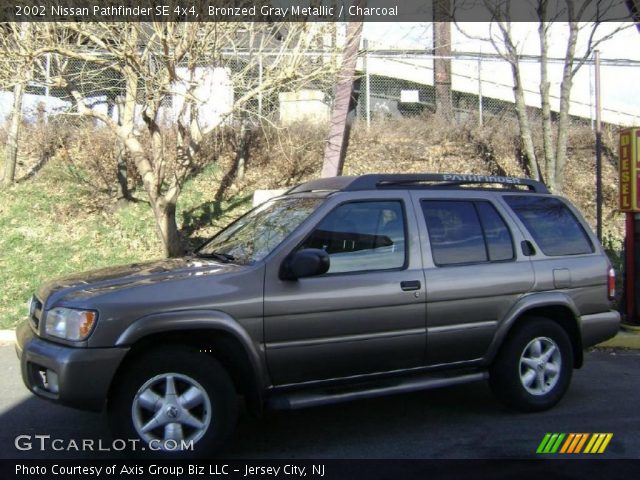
point(567, 258)
point(474, 268)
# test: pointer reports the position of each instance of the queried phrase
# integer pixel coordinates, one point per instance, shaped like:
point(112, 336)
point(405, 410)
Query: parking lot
point(457, 422)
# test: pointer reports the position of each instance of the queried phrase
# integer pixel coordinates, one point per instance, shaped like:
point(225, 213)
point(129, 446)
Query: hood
point(90, 283)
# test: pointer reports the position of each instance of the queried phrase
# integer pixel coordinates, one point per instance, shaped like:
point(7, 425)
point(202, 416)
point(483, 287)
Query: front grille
point(35, 313)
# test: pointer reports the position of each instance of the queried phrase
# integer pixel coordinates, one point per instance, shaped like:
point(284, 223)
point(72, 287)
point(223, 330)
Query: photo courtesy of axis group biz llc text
point(320, 239)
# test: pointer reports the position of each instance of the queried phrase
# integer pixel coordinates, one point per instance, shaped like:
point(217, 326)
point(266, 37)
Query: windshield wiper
point(223, 257)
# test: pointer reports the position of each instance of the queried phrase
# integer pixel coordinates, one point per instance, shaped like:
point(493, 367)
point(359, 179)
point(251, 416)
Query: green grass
point(50, 226)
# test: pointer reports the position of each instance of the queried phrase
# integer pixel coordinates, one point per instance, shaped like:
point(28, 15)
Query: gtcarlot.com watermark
point(44, 443)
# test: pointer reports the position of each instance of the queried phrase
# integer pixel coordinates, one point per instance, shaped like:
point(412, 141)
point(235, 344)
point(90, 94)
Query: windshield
point(255, 235)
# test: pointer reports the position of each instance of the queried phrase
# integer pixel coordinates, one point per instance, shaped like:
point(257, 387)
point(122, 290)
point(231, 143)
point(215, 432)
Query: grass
point(51, 226)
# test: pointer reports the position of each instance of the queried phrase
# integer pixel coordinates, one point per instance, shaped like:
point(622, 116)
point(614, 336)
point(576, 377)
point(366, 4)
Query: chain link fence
point(401, 83)
point(390, 84)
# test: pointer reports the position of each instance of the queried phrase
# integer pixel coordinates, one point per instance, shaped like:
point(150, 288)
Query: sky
point(620, 85)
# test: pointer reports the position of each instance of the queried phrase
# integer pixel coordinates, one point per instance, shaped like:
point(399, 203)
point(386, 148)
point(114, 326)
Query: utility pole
point(598, 149)
point(336, 148)
point(442, 57)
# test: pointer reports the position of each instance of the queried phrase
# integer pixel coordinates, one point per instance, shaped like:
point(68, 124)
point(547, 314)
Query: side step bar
point(314, 398)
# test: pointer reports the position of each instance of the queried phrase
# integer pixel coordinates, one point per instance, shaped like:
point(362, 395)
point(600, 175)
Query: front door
point(367, 313)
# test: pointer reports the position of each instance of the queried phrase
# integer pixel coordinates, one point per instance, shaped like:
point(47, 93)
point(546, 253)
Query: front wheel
point(533, 369)
point(175, 401)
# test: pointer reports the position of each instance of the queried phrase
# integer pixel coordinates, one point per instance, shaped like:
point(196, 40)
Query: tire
point(533, 369)
point(204, 405)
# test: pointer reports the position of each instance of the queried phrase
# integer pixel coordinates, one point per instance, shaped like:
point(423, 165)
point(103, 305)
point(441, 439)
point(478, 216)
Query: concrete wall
point(308, 105)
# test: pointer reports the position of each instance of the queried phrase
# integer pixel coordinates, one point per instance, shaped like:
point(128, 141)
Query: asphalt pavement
point(456, 422)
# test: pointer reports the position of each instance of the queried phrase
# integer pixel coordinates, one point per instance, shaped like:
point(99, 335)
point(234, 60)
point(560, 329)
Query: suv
point(341, 289)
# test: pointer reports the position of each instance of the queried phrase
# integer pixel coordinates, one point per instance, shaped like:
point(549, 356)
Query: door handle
point(410, 285)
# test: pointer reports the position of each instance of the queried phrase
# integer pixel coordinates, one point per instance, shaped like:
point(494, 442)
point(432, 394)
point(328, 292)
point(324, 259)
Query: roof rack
point(409, 180)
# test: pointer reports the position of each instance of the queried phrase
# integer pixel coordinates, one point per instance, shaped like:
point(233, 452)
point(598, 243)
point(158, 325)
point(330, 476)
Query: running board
point(314, 398)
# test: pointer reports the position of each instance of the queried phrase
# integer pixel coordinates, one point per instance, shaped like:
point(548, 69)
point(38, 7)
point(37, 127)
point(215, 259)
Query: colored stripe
point(582, 442)
point(550, 444)
point(575, 443)
point(543, 443)
point(558, 442)
point(607, 439)
point(590, 444)
point(567, 443)
point(596, 446)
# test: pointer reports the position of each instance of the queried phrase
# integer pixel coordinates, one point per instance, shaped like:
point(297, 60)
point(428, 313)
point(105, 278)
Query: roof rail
point(409, 180)
point(367, 182)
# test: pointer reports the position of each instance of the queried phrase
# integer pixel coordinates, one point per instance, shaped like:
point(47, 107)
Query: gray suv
point(343, 288)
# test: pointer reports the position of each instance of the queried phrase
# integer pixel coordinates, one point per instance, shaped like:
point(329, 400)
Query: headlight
point(70, 324)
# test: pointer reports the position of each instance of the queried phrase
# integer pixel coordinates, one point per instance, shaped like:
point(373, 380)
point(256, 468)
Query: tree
point(151, 65)
point(16, 71)
point(582, 20)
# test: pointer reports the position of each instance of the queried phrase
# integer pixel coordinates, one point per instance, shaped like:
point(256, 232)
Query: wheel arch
point(554, 306)
point(211, 333)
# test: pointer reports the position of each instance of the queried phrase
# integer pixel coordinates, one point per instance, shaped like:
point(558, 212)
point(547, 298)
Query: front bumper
point(76, 377)
point(598, 327)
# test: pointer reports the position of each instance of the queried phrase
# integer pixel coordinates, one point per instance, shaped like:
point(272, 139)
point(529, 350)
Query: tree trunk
point(565, 98)
point(165, 214)
point(531, 162)
point(523, 122)
point(547, 128)
point(164, 210)
point(121, 154)
point(334, 152)
point(11, 152)
point(242, 151)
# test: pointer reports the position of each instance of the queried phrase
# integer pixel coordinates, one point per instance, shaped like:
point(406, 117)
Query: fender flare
point(524, 304)
point(213, 320)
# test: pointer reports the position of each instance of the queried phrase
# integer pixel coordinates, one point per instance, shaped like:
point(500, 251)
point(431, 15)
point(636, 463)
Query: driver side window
point(362, 236)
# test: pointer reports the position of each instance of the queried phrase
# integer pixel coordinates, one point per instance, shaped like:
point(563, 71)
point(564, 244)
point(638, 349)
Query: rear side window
point(466, 232)
point(497, 235)
point(552, 225)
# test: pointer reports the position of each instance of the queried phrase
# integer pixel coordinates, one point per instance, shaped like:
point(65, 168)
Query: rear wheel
point(533, 369)
point(175, 400)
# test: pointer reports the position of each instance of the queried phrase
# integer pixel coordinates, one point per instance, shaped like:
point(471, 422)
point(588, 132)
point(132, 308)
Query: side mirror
point(305, 263)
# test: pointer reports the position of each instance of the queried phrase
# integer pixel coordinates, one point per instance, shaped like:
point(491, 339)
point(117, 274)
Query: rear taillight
point(611, 284)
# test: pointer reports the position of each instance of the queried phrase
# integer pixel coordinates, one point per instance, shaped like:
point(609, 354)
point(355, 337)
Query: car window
point(455, 232)
point(253, 236)
point(362, 236)
point(496, 233)
point(552, 225)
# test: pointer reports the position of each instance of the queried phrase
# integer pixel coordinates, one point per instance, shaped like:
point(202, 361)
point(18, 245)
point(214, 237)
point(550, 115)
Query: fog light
point(52, 381)
point(49, 380)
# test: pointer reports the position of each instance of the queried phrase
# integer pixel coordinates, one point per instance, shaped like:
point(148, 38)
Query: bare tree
point(152, 65)
point(504, 43)
point(16, 70)
point(582, 20)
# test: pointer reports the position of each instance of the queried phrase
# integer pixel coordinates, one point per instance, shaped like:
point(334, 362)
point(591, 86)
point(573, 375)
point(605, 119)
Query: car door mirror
point(305, 263)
